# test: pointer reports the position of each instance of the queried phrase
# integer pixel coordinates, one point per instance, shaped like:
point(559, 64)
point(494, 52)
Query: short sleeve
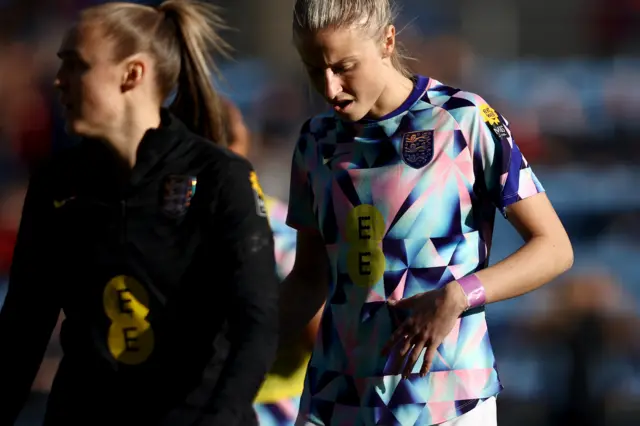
point(284, 237)
point(505, 173)
point(301, 215)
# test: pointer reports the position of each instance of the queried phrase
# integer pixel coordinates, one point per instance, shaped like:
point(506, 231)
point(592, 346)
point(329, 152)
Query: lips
point(343, 105)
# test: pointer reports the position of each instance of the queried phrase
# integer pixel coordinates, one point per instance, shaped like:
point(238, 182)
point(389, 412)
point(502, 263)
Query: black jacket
point(150, 266)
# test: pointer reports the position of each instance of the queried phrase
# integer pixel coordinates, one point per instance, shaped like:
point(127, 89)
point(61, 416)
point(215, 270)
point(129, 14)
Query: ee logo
point(130, 338)
point(365, 259)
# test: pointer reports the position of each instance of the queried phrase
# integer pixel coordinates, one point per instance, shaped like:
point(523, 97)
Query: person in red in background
point(278, 400)
point(10, 208)
point(25, 111)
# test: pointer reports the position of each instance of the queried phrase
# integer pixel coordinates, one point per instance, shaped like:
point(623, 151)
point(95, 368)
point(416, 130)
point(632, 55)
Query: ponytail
point(197, 103)
point(182, 36)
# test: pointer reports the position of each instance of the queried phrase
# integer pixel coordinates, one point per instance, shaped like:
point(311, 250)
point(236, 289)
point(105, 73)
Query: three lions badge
point(416, 148)
point(178, 190)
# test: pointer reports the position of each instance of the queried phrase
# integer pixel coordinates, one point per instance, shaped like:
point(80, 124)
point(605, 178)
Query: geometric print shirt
point(405, 204)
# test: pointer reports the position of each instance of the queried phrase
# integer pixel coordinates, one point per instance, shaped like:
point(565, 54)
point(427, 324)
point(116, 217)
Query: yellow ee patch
point(493, 120)
point(261, 204)
point(489, 115)
point(126, 304)
point(365, 230)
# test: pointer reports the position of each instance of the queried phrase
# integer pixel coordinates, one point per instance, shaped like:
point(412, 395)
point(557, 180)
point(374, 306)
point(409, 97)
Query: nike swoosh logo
point(60, 203)
point(327, 160)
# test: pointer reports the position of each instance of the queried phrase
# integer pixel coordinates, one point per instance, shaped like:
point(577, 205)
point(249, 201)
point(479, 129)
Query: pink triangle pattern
point(392, 187)
point(471, 382)
point(398, 292)
point(441, 411)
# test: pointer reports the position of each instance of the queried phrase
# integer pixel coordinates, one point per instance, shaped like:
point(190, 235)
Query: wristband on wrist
point(473, 290)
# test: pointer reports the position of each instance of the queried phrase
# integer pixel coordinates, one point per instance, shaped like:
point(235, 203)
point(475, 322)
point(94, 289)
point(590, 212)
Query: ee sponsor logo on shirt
point(126, 304)
point(365, 260)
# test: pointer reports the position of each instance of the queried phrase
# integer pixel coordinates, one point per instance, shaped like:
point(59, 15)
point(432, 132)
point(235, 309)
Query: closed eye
point(71, 60)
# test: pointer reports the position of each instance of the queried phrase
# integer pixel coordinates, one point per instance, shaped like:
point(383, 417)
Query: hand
point(433, 316)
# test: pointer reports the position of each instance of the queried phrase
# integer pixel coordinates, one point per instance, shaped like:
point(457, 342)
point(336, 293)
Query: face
point(348, 68)
point(238, 132)
point(90, 83)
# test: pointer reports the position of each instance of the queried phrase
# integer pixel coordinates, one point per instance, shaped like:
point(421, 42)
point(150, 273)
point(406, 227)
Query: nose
point(58, 80)
point(332, 84)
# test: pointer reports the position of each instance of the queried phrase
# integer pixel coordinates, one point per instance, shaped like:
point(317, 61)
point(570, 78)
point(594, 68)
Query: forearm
point(301, 299)
point(251, 355)
point(312, 328)
point(253, 338)
point(538, 261)
point(24, 335)
point(299, 343)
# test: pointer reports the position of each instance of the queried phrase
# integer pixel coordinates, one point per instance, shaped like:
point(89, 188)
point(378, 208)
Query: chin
point(352, 115)
point(70, 128)
point(77, 128)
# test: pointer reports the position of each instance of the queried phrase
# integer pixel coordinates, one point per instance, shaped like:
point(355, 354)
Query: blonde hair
point(371, 16)
point(181, 36)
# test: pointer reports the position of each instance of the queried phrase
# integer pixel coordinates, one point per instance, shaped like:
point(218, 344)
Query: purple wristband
point(474, 290)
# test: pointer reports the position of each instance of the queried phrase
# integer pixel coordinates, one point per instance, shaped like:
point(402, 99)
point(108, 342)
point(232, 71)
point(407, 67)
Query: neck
point(126, 140)
point(394, 94)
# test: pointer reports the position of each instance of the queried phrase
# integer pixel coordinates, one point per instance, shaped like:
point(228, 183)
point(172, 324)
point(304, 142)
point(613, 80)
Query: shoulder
point(227, 176)
point(465, 111)
point(216, 160)
point(321, 123)
point(70, 155)
point(69, 161)
point(463, 106)
point(322, 130)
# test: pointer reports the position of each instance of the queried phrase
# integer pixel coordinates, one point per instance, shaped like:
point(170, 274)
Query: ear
point(389, 41)
point(134, 72)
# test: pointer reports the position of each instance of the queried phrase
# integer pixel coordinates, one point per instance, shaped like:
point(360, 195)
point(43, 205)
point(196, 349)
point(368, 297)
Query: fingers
point(429, 356)
point(403, 303)
point(409, 349)
point(413, 357)
point(407, 343)
point(397, 361)
point(397, 337)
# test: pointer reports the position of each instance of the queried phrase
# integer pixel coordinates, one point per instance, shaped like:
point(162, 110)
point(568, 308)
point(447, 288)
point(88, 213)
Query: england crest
point(178, 190)
point(417, 148)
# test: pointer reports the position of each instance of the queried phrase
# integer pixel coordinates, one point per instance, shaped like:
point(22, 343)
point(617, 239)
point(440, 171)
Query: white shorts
point(484, 414)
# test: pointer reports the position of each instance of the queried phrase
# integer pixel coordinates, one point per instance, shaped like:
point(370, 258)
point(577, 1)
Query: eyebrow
point(341, 61)
point(66, 53)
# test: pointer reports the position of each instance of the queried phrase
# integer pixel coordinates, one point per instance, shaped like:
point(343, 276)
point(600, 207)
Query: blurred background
point(565, 73)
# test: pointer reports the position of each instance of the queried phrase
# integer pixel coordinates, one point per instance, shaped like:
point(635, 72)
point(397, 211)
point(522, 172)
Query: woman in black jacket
point(150, 237)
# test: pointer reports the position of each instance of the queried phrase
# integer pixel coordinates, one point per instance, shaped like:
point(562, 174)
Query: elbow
point(563, 255)
point(555, 255)
point(257, 333)
point(569, 258)
point(262, 332)
point(257, 320)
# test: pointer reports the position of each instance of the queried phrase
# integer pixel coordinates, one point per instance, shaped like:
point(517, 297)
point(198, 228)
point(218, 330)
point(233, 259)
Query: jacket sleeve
point(30, 310)
point(243, 235)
